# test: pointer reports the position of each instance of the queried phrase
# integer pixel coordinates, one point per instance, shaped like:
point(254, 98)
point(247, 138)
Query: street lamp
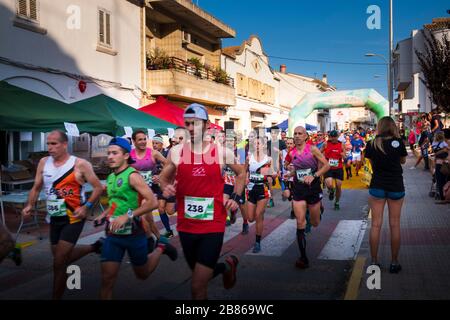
point(389, 78)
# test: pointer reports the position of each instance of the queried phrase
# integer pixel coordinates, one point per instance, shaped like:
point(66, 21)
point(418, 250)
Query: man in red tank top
point(334, 153)
point(194, 174)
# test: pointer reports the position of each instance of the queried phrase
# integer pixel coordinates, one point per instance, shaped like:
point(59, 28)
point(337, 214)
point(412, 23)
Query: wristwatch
point(316, 176)
point(89, 204)
point(130, 214)
point(236, 197)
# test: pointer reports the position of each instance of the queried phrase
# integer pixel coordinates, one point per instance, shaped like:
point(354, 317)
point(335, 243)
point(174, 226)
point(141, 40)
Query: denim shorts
point(114, 249)
point(383, 194)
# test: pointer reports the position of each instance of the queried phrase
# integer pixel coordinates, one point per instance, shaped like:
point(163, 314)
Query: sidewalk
point(425, 245)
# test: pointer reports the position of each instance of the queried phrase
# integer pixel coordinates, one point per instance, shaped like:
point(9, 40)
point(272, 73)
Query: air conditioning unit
point(186, 37)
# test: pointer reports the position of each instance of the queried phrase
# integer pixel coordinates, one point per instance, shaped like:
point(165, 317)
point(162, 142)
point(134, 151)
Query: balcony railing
point(174, 63)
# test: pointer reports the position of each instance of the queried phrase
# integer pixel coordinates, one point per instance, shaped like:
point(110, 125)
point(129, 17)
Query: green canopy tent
point(122, 115)
point(23, 110)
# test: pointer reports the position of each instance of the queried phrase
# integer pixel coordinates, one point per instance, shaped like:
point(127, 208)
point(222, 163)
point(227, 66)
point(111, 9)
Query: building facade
point(413, 96)
point(70, 50)
point(256, 86)
point(183, 45)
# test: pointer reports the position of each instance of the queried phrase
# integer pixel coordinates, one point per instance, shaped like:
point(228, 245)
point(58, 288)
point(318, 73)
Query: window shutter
point(22, 7)
point(108, 28)
point(101, 26)
point(33, 9)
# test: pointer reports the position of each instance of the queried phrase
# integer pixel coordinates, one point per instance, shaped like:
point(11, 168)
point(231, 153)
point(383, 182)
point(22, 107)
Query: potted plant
point(198, 66)
point(220, 76)
point(158, 59)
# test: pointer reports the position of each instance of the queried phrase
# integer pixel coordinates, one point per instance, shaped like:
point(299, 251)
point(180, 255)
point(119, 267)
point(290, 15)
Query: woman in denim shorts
point(387, 153)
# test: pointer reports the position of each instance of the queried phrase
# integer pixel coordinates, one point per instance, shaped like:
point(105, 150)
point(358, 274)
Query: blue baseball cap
point(124, 144)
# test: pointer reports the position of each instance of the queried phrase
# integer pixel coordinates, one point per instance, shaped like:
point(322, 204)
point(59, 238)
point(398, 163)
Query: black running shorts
point(201, 248)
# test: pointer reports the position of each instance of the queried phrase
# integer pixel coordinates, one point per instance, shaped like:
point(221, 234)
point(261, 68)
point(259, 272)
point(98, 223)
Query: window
point(104, 30)
point(27, 9)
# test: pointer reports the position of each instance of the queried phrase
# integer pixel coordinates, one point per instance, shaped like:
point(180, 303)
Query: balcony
point(183, 80)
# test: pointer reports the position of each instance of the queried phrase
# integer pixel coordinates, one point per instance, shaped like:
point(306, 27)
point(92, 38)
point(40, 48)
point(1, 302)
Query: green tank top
point(122, 197)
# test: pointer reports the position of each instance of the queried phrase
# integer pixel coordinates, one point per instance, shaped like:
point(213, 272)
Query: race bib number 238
point(199, 208)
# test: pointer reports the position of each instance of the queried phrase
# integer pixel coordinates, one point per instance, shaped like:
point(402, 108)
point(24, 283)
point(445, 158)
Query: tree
point(435, 64)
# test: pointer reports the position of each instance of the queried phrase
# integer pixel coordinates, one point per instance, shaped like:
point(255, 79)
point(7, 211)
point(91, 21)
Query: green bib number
point(56, 208)
point(301, 174)
point(126, 229)
point(333, 162)
point(148, 177)
point(199, 208)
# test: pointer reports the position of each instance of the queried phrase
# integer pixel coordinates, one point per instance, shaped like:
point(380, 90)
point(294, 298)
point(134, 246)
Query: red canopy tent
point(167, 111)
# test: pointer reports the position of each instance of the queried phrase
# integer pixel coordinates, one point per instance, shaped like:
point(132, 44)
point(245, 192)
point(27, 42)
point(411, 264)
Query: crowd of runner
point(206, 182)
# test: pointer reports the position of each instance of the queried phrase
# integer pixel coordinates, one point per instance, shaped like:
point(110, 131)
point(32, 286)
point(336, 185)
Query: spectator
point(436, 122)
point(412, 140)
point(386, 153)
point(440, 150)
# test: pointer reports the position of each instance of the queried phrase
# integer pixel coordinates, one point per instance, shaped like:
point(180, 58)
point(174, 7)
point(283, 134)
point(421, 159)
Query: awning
point(122, 115)
point(284, 126)
point(167, 111)
point(163, 109)
point(24, 110)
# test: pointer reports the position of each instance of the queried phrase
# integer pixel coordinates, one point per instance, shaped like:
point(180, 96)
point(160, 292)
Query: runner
point(194, 174)
point(63, 177)
point(307, 191)
point(230, 177)
point(334, 152)
point(180, 136)
point(166, 205)
point(348, 156)
point(358, 146)
point(124, 228)
point(259, 168)
point(146, 163)
point(288, 178)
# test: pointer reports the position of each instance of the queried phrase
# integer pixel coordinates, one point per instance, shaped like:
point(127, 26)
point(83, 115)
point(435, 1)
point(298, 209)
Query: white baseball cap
point(196, 110)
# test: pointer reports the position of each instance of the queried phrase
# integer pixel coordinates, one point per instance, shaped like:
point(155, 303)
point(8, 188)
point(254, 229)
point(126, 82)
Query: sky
point(331, 30)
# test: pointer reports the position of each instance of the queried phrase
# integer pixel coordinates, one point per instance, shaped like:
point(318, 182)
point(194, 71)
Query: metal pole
point(391, 49)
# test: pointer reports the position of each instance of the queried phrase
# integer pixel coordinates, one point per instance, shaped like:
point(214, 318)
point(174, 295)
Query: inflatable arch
point(369, 98)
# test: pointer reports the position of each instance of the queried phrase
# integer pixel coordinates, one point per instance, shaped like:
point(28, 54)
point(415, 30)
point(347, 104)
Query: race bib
point(199, 208)
point(56, 208)
point(301, 174)
point(333, 162)
point(125, 230)
point(148, 177)
point(256, 177)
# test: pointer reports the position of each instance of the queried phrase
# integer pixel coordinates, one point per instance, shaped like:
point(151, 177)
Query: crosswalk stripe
point(278, 240)
point(345, 241)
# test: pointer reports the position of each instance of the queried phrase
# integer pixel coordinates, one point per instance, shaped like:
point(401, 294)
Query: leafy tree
point(435, 64)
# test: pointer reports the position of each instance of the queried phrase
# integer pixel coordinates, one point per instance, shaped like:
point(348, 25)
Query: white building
point(48, 46)
point(294, 87)
point(413, 96)
point(256, 86)
point(264, 97)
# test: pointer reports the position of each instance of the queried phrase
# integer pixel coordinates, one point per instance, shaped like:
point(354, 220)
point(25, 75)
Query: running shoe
point(292, 214)
point(233, 217)
point(167, 248)
point(270, 203)
point(331, 194)
point(336, 206)
point(97, 245)
point(16, 255)
point(395, 268)
point(168, 234)
point(302, 263)
point(229, 276)
point(245, 228)
point(257, 247)
point(228, 222)
point(308, 222)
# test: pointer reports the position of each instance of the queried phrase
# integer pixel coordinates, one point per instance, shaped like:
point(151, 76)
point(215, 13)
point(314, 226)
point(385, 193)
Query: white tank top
point(52, 174)
point(255, 165)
